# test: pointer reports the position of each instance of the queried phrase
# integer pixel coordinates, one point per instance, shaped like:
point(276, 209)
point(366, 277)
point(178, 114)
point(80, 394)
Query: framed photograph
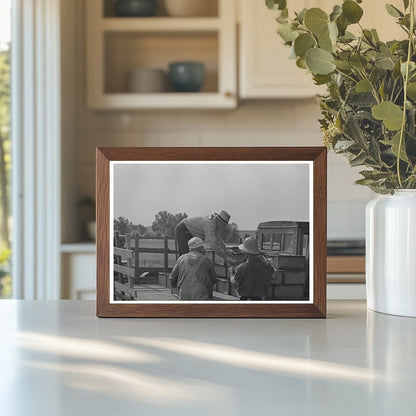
point(211, 232)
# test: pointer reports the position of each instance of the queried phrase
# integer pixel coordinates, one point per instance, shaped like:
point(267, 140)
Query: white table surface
point(57, 358)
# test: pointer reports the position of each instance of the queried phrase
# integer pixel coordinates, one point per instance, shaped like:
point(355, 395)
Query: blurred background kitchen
point(187, 73)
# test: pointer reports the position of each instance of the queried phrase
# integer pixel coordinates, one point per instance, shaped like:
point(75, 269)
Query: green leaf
point(320, 61)
point(412, 67)
point(271, 4)
point(303, 43)
point(287, 33)
point(344, 65)
point(374, 174)
point(282, 20)
point(365, 182)
point(342, 25)
point(394, 145)
point(363, 86)
point(368, 36)
point(358, 160)
point(325, 42)
point(343, 145)
point(336, 12)
point(282, 4)
point(384, 62)
point(362, 99)
point(292, 53)
point(393, 11)
point(321, 79)
point(301, 63)
point(276, 4)
point(351, 11)
point(388, 112)
point(411, 123)
point(405, 21)
point(374, 150)
point(353, 131)
point(411, 90)
point(375, 35)
point(358, 61)
point(316, 20)
point(396, 70)
point(301, 15)
point(333, 32)
point(347, 37)
point(382, 89)
point(377, 75)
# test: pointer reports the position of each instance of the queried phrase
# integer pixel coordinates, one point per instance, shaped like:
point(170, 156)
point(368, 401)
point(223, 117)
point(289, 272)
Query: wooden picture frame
point(109, 303)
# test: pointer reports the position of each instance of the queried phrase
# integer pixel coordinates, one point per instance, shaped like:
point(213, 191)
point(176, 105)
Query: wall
point(253, 123)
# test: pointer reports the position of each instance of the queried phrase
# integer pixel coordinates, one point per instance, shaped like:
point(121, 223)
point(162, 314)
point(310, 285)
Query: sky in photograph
point(251, 193)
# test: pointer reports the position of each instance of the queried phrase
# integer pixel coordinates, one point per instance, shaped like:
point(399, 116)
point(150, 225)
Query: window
point(5, 145)
point(277, 242)
point(266, 241)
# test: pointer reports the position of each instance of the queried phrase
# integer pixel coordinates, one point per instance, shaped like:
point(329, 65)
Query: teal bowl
point(135, 8)
point(186, 76)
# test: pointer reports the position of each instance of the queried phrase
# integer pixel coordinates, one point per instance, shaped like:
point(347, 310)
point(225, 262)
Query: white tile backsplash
point(257, 123)
point(346, 219)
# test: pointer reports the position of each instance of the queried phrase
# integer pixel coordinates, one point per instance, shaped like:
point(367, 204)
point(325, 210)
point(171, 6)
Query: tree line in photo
point(164, 225)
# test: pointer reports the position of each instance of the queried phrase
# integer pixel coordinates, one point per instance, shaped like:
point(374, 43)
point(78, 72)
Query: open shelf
point(210, 7)
point(160, 24)
point(116, 46)
point(87, 247)
point(167, 100)
point(127, 51)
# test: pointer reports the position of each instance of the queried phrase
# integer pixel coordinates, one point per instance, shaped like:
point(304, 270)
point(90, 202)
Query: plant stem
point(373, 88)
point(346, 75)
point(406, 80)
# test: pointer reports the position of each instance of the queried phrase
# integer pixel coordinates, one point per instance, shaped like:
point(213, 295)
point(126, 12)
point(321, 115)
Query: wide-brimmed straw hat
point(250, 246)
point(194, 243)
point(223, 216)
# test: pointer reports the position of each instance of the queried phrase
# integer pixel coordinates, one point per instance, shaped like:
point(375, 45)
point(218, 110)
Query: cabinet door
point(78, 276)
point(376, 17)
point(265, 68)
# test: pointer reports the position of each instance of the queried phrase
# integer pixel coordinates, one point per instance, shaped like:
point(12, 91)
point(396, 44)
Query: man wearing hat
point(207, 228)
point(252, 278)
point(194, 273)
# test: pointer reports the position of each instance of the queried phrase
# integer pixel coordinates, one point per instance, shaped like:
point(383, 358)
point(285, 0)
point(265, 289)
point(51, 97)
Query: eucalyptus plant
point(369, 111)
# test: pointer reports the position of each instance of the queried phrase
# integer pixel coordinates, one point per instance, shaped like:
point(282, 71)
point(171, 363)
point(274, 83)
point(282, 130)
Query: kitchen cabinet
point(78, 263)
point(118, 45)
point(265, 69)
point(346, 269)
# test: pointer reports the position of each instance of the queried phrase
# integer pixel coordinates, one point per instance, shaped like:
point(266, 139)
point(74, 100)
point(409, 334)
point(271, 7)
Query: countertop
point(57, 358)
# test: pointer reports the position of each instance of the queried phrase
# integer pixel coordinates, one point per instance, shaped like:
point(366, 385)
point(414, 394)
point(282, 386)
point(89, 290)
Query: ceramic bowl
point(135, 8)
point(147, 80)
point(186, 76)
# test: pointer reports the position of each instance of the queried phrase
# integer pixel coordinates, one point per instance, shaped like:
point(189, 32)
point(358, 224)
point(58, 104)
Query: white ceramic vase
point(391, 253)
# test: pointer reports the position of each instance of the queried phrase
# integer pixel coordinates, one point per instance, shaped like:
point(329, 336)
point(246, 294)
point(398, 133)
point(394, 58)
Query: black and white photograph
point(187, 231)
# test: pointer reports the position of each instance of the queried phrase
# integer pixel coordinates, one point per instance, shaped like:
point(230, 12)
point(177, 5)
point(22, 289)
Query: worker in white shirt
point(208, 229)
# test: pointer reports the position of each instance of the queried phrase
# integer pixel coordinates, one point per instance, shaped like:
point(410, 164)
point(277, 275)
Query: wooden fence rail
point(127, 256)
